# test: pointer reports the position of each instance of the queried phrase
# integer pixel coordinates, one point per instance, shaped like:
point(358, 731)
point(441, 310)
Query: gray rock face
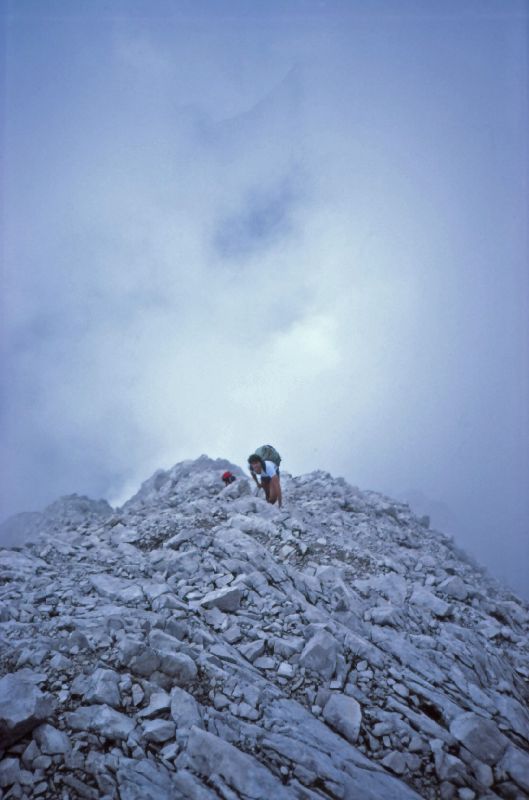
point(344, 714)
point(515, 764)
point(319, 654)
point(101, 719)
point(22, 707)
point(116, 588)
point(178, 666)
point(66, 514)
point(199, 643)
point(453, 587)
point(158, 730)
point(103, 688)
point(481, 736)
point(51, 741)
point(185, 710)
point(213, 758)
point(227, 599)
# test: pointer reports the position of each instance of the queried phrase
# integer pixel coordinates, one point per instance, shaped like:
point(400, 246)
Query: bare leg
point(265, 483)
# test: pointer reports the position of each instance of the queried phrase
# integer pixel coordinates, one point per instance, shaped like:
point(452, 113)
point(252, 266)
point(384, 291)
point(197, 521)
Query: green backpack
point(268, 453)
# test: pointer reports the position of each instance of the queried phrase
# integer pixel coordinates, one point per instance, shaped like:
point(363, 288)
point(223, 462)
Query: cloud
point(220, 235)
point(264, 218)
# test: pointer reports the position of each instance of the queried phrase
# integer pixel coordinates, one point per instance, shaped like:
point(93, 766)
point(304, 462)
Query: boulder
point(185, 710)
point(103, 687)
point(51, 741)
point(158, 730)
point(515, 763)
point(430, 602)
point(212, 757)
point(226, 599)
point(102, 720)
point(343, 713)
point(22, 707)
point(319, 654)
point(480, 736)
point(453, 587)
point(178, 666)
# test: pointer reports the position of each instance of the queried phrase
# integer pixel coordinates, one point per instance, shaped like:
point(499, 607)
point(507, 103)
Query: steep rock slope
point(198, 643)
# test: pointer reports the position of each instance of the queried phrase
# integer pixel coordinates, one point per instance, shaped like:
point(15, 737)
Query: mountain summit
point(199, 643)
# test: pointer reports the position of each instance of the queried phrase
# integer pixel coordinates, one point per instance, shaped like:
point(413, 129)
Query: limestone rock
point(9, 771)
point(226, 599)
point(101, 719)
point(479, 735)
point(158, 730)
point(319, 654)
point(210, 756)
point(453, 587)
point(159, 702)
point(185, 710)
point(51, 741)
point(22, 707)
point(201, 643)
point(179, 666)
point(515, 763)
point(103, 687)
point(344, 714)
point(427, 600)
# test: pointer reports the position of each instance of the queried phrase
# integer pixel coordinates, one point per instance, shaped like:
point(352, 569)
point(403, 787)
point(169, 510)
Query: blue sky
point(299, 222)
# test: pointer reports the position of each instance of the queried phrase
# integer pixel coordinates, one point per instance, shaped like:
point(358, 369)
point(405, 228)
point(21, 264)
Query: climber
point(268, 472)
point(228, 477)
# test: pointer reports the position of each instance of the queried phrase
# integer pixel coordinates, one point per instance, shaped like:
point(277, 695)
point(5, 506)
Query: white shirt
point(269, 471)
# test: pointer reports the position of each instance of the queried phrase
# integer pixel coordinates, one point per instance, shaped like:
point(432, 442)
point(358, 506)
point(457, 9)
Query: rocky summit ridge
point(198, 644)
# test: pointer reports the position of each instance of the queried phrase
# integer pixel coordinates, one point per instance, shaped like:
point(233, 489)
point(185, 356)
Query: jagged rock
point(101, 719)
point(252, 650)
point(138, 657)
point(22, 707)
point(146, 780)
point(116, 588)
point(103, 687)
point(160, 640)
point(51, 741)
point(480, 736)
point(453, 587)
point(344, 714)
point(178, 666)
point(9, 772)
point(300, 635)
point(158, 730)
point(395, 762)
point(185, 710)
point(447, 766)
point(159, 701)
point(515, 763)
point(226, 599)
point(514, 713)
point(319, 654)
point(216, 759)
point(428, 601)
point(385, 615)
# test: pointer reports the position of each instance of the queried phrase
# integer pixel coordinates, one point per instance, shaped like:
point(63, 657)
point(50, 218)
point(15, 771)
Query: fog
point(227, 223)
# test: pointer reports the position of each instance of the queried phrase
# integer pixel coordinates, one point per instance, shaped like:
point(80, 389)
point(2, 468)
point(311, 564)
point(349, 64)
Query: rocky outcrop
point(68, 513)
point(199, 643)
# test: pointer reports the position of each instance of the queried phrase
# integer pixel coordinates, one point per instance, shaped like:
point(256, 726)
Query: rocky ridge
point(199, 643)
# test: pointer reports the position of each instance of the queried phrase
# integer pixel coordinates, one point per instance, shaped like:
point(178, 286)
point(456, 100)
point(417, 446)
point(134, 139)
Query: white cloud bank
point(222, 233)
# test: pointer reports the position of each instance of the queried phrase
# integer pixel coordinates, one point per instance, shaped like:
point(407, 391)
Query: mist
point(305, 223)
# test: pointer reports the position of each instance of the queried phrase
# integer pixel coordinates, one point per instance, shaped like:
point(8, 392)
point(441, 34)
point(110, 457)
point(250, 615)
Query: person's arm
point(254, 476)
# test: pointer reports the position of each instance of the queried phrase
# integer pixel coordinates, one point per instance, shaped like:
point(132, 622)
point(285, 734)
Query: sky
point(303, 222)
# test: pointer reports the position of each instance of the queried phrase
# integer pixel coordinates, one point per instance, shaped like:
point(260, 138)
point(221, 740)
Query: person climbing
point(228, 477)
point(264, 464)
